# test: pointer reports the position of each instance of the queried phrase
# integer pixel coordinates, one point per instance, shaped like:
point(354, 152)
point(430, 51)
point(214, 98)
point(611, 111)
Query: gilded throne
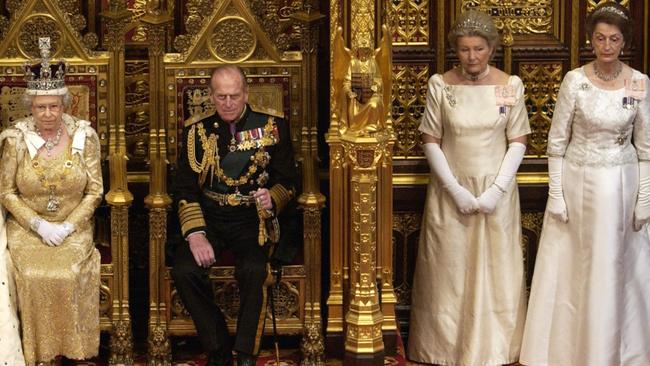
point(276, 85)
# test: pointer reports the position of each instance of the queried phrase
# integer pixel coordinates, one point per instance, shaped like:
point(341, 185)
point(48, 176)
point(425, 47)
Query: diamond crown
point(44, 78)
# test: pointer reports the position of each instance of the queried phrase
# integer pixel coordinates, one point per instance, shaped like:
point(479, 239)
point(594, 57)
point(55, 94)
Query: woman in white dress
point(11, 352)
point(468, 305)
point(590, 298)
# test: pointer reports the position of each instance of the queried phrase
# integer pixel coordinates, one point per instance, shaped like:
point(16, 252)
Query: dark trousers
point(237, 231)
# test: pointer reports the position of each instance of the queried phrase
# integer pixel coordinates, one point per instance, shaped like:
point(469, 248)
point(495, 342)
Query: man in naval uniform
point(236, 176)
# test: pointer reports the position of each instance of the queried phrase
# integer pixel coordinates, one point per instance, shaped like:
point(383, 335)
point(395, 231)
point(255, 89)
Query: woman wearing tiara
point(50, 184)
point(590, 298)
point(468, 304)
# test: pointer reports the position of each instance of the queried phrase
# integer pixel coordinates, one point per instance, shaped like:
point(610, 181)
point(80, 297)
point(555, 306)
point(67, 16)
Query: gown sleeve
point(518, 117)
point(94, 184)
point(642, 125)
point(9, 195)
point(560, 133)
point(431, 122)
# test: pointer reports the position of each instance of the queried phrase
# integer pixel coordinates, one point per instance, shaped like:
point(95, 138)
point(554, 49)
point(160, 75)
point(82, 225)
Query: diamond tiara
point(611, 9)
point(44, 78)
point(470, 24)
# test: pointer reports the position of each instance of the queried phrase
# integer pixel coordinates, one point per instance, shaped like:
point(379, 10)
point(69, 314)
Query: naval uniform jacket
point(258, 155)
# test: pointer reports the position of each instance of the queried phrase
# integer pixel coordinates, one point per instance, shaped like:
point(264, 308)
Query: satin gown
point(468, 297)
point(590, 297)
point(58, 287)
point(11, 352)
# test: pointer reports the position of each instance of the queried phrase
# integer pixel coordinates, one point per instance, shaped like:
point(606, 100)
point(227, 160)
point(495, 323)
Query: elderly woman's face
point(607, 41)
point(474, 53)
point(47, 111)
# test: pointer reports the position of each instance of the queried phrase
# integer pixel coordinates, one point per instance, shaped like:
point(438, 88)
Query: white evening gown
point(468, 302)
point(590, 298)
point(11, 352)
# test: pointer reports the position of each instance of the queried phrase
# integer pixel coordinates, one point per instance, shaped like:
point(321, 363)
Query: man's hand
point(201, 249)
point(263, 196)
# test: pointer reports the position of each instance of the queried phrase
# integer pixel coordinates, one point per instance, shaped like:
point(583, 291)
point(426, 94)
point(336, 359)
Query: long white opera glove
point(488, 200)
point(642, 209)
point(51, 234)
point(556, 206)
point(464, 200)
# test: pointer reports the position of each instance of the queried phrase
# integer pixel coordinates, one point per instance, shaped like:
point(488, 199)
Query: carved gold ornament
point(35, 27)
point(409, 20)
point(520, 16)
point(232, 40)
point(542, 83)
point(409, 100)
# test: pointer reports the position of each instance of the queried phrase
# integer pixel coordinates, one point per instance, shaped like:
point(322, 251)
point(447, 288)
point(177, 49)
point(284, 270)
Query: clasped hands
point(52, 234)
point(468, 204)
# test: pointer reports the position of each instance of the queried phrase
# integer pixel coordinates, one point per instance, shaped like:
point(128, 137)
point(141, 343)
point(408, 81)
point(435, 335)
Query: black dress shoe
point(244, 359)
point(219, 359)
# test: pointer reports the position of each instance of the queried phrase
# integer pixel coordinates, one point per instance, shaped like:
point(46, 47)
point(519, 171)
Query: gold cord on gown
point(58, 287)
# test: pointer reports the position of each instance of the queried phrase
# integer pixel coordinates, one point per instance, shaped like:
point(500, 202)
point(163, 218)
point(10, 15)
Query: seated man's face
point(228, 95)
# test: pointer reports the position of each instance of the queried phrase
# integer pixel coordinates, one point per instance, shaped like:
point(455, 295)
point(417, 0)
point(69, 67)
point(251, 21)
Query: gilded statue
point(362, 85)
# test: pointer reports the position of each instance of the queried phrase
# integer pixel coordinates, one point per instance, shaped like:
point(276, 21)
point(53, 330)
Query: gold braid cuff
point(281, 197)
point(190, 216)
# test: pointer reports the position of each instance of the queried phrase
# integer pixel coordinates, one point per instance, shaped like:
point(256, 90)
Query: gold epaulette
point(192, 120)
point(269, 111)
point(281, 197)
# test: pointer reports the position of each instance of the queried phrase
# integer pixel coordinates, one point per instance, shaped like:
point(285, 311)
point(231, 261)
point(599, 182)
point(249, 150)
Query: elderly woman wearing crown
point(468, 304)
point(50, 184)
point(590, 297)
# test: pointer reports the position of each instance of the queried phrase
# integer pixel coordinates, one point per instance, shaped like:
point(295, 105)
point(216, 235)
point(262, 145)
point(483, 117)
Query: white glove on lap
point(556, 206)
point(52, 234)
point(488, 200)
point(642, 208)
point(464, 200)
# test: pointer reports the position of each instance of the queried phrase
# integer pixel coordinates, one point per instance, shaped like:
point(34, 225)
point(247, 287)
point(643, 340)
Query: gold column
point(118, 197)
point(384, 56)
point(157, 201)
point(311, 200)
point(363, 342)
point(361, 140)
point(337, 207)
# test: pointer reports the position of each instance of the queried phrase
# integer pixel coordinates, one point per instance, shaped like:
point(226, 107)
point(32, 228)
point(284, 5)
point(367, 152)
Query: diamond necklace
point(476, 77)
point(604, 77)
point(50, 143)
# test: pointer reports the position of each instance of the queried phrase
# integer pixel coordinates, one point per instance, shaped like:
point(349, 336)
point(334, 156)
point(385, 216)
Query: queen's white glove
point(556, 206)
point(464, 200)
point(51, 234)
point(488, 200)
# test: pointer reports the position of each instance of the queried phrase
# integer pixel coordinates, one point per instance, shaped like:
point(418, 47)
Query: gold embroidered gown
point(58, 287)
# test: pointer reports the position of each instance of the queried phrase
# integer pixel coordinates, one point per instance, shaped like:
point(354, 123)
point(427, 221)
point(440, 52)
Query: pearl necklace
point(50, 143)
point(604, 77)
point(477, 77)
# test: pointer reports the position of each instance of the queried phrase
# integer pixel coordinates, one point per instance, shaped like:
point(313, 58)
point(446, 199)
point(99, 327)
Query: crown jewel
point(44, 78)
point(471, 24)
point(611, 9)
